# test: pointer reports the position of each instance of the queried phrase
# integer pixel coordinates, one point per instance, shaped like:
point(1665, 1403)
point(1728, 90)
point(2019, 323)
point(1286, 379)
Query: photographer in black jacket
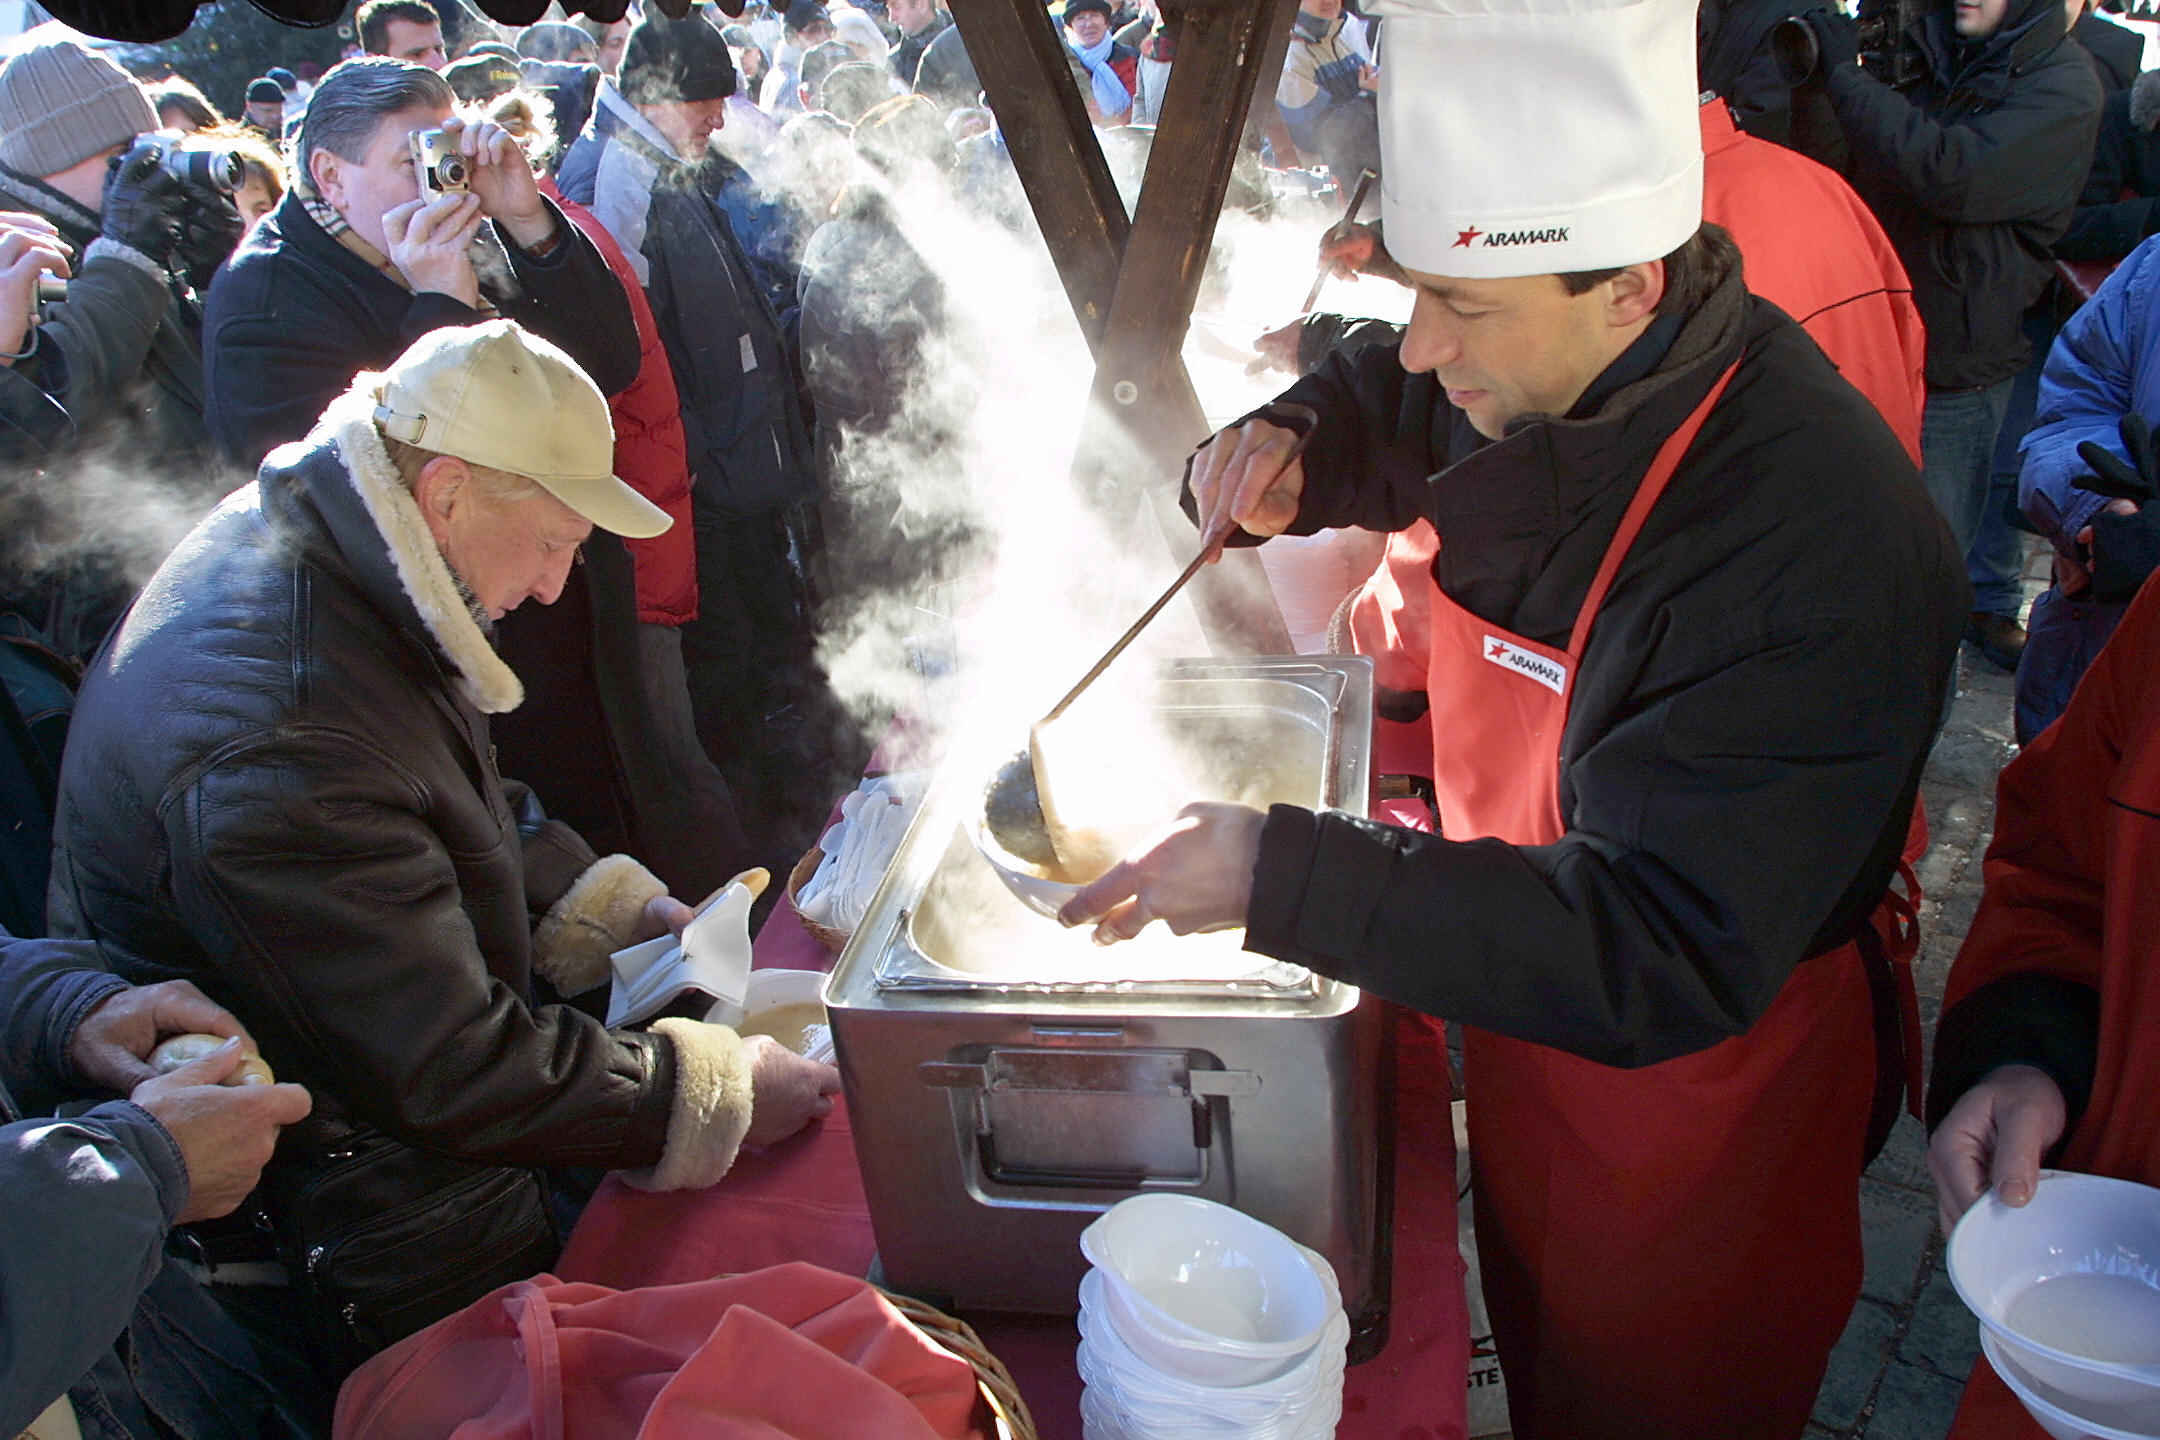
point(1974, 167)
point(122, 353)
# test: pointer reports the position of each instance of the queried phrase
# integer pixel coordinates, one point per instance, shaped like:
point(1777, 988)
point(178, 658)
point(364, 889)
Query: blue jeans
point(1996, 562)
point(1957, 453)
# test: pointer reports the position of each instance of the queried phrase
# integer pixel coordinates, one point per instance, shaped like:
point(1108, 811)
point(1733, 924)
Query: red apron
point(1667, 1252)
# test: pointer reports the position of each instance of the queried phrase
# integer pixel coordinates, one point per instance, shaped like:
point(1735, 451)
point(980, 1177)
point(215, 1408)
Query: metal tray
point(1298, 731)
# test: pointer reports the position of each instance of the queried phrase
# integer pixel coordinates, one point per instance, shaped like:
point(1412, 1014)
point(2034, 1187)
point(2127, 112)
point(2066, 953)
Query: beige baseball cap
point(498, 395)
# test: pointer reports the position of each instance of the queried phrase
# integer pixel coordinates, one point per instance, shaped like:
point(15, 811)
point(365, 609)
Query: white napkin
point(712, 958)
point(859, 848)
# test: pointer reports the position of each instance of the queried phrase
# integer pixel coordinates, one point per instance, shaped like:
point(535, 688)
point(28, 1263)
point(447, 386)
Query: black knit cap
point(675, 60)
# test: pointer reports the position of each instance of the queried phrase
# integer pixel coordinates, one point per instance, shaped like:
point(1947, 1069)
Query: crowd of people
point(428, 490)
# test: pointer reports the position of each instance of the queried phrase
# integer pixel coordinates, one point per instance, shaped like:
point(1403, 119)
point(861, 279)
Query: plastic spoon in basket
point(1020, 807)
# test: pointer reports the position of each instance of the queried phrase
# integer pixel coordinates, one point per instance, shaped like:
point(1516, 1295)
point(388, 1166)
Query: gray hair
point(500, 486)
point(351, 101)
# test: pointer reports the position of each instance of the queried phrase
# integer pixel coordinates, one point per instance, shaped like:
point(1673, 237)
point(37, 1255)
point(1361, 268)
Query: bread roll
point(181, 1049)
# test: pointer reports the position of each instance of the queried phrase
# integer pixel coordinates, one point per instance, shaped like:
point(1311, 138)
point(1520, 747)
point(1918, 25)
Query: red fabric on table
point(799, 1200)
point(803, 1200)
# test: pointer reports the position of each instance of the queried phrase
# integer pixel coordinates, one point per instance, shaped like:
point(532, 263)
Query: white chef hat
point(1535, 137)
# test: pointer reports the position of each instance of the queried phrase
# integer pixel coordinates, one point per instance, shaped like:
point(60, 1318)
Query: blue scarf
point(1111, 96)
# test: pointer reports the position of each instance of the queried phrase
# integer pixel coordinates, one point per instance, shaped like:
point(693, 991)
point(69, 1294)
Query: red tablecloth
point(803, 1200)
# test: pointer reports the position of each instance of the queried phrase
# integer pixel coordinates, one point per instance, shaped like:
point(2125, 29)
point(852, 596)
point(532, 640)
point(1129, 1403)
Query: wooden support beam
point(1141, 386)
point(1021, 61)
point(1132, 282)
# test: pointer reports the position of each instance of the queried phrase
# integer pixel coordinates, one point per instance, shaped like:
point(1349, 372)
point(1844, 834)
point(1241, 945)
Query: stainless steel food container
point(1007, 1080)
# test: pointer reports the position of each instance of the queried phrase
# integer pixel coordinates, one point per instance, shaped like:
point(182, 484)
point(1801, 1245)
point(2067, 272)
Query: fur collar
point(482, 677)
point(2145, 101)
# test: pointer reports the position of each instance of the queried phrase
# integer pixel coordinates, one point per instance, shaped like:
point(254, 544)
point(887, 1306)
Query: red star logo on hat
point(1499, 650)
point(1464, 237)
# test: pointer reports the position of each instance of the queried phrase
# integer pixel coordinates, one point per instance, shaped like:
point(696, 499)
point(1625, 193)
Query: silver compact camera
point(440, 168)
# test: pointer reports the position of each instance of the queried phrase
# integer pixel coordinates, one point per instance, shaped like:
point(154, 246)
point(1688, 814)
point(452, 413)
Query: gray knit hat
point(60, 104)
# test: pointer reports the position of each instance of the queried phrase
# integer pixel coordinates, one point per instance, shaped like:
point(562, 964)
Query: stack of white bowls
point(1198, 1322)
point(2067, 1288)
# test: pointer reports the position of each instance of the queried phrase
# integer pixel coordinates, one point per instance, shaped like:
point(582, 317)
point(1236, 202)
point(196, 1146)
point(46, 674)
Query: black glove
point(210, 230)
point(1837, 37)
point(2125, 548)
point(144, 203)
point(1811, 44)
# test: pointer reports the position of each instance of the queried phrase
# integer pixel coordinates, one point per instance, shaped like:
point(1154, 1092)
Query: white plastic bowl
point(2098, 1235)
point(1151, 1405)
point(1138, 1380)
point(1044, 897)
point(773, 989)
point(1204, 1291)
point(2066, 1418)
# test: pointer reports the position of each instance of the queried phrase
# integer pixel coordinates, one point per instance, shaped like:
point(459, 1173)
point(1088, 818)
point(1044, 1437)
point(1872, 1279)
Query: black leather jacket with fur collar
point(279, 786)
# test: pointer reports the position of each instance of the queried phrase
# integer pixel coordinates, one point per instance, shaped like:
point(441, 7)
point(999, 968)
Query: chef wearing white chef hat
point(1692, 621)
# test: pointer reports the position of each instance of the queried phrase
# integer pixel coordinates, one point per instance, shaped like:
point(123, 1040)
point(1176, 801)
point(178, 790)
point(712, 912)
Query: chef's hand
point(787, 1092)
point(1249, 476)
point(111, 1045)
point(1993, 1138)
point(1195, 875)
point(501, 176)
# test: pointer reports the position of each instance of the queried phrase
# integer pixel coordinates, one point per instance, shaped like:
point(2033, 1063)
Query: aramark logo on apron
point(1509, 656)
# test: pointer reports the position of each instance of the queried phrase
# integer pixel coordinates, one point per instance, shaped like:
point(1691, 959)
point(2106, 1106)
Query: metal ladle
point(1013, 809)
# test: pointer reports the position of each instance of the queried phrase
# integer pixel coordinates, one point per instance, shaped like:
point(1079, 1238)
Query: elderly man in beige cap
point(1692, 621)
point(280, 787)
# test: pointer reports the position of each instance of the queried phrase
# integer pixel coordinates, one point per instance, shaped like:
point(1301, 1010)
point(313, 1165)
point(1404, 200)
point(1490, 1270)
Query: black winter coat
point(1748, 724)
point(1974, 170)
point(278, 787)
point(743, 424)
point(2121, 203)
point(2117, 51)
point(294, 315)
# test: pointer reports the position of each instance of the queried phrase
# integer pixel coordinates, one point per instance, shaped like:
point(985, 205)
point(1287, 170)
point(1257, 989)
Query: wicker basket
point(1006, 1411)
point(833, 940)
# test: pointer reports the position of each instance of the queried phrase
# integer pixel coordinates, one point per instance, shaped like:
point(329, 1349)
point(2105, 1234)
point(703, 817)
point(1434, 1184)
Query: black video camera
point(1882, 24)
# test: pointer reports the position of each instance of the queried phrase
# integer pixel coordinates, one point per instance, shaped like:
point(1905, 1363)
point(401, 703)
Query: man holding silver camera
point(120, 352)
point(362, 258)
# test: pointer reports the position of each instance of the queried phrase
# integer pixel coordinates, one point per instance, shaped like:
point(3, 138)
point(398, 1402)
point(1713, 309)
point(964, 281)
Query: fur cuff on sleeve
point(711, 1110)
point(595, 917)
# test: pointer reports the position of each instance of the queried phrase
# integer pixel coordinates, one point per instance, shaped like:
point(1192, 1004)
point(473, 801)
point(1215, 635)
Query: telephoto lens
point(211, 169)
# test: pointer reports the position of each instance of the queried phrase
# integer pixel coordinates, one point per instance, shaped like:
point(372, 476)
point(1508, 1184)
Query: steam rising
point(1039, 581)
point(93, 526)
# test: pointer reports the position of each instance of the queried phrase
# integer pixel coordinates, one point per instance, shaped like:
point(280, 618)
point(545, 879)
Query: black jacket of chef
point(1747, 729)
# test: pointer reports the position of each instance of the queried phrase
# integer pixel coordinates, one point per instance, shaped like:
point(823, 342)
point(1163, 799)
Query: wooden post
point(1142, 392)
point(1132, 283)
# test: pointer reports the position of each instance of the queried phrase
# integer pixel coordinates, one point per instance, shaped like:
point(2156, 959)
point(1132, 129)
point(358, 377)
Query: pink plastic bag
point(788, 1353)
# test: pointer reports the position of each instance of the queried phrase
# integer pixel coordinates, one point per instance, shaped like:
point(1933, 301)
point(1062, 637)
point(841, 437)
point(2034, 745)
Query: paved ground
point(1898, 1371)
